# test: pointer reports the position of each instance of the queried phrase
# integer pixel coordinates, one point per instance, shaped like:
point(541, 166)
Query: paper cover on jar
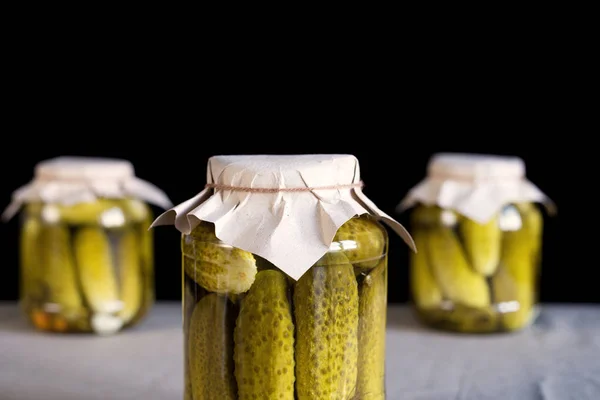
point(284, 208)
point(475, 185)
point(71, 180)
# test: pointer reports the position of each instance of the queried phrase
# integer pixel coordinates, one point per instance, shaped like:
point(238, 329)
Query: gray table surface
point(558, 358)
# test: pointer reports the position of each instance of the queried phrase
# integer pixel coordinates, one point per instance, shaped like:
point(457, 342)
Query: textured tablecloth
point(558, 358)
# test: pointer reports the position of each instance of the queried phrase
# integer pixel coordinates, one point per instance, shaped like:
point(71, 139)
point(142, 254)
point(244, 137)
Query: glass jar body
point(476, 278)
point(252, 332)
point(86, 267)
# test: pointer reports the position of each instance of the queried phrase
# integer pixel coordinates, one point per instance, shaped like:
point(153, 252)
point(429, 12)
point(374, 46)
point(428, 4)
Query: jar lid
point(284, 208)
point(300, 173)
point(475, 167)
point(69, 168)
point(477, 186)
point(70, 180)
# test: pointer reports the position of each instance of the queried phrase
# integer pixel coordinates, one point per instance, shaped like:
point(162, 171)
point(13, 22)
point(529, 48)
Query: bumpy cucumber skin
point(190, 292)
point(215, 266)
point(264, 340)
point(371, 334)
point(210, 349)
point(329, 334)
point(187, 384)
point(225, 271)
point(368, 240)
point(326, 314)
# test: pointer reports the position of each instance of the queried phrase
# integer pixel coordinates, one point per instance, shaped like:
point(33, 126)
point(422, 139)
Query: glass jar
point(478, 264)
point(85, 266)
point(258, 329)
point(240, 311)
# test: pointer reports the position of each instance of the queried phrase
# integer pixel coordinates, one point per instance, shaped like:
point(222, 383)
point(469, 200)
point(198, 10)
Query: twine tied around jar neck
point(218, 186)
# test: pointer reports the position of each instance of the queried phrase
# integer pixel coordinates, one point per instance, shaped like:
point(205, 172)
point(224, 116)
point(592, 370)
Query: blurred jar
point(86, 251)
point(478, 232)
point(307, 318)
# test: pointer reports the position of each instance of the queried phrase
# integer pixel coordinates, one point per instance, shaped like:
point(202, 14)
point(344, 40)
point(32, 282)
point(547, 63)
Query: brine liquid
point(476, 277)
point(86, 271)
point(252, 332)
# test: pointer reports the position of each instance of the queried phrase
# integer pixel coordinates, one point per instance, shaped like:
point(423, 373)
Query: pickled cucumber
point(457, 280)
point(137, 210)
point(210, 349)
point(532, 226)
point(533, 223)
point(31, 270)
point(187, 384)
point(425, 291)
point(205, 232)
point(147, 257)
point(326, 314)
point(513, 300)
point(94, 258)
point(217, 267)
point(482, 244)
point(141, 216)
point(98, 280)
point(131, 283)
point(59, 271)
point(475, 320)
point(363, 240)
point(264, 340)
point(263, 264)
point(371, 334)
point(462, 319)
point(514, 282)
point(426, 216)
point(147, 260)
point(91, 213)
point(189, 293)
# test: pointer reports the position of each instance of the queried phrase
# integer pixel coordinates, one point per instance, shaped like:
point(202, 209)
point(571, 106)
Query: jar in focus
point(255, 329)
point(86, 251)
point(478, 231)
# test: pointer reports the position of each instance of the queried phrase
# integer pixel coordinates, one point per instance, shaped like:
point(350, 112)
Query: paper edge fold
point(396, 226)
point(189, 222)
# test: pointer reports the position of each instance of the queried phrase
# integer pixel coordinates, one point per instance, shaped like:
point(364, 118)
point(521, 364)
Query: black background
point(391, 162)
point(167, 106)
